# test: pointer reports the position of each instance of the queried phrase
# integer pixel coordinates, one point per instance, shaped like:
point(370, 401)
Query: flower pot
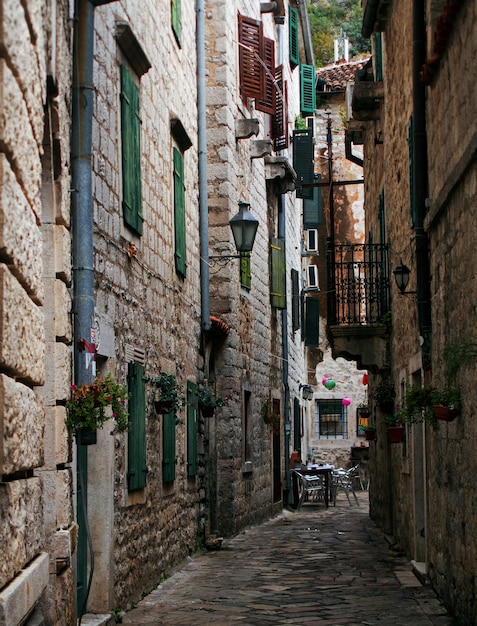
point(395, 434)
point(370, 434)
point(163, 406)
point(364, 414)
point(207, 411)
point(445, 414)
point(86, 436)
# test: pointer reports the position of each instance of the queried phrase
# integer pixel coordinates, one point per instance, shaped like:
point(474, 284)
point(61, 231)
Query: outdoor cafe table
point(315, 470)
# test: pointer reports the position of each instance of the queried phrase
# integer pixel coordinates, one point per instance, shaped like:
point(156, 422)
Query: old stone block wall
point(36, 485)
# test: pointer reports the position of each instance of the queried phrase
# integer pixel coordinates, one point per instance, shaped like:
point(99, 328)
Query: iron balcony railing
point(358, 283)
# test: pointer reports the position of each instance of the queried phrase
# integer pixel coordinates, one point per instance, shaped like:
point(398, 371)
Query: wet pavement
point(315, 567)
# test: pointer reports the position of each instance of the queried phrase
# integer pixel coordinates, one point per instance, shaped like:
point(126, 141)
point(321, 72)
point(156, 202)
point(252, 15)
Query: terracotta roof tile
point(337, 75)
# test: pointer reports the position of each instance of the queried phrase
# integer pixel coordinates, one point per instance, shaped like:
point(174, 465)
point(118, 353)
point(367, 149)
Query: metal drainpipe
point(420, 173)
point(202, 164)
point(81, 199)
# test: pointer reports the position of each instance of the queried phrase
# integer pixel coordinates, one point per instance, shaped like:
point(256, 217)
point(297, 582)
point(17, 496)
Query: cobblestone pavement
point(316, 567)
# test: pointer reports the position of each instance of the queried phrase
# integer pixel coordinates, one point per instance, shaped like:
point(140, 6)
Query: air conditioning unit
point(312, 277)
point(311, 240)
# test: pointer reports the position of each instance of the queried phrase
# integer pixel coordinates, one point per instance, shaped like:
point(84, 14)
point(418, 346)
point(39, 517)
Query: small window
point(295, 284)
point(312, 322)
point(137, 468)
point(293, 37)
point(278, 286)
point(169, 447)
point(331, 419)
point(179, 214)
point(191, 429)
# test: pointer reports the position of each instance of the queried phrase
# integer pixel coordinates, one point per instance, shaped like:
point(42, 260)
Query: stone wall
point(37, 533)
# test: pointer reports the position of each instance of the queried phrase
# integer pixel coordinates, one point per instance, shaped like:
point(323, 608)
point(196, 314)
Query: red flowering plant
point(86, 406)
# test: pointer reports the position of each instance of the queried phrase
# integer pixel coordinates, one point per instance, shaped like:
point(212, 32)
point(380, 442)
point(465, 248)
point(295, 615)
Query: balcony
point(358, 301)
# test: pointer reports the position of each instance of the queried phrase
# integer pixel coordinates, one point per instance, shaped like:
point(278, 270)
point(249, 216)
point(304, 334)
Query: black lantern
point(401, 276)
point(244, 228)
point(307, 392)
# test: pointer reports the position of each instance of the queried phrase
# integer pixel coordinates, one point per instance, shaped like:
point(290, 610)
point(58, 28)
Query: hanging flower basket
point(209, 400)
point(169, 397)
point(445, 414)
point(370, 434)
point(207, 411)
point(163, 406)
point(87, 436)
point(395, 434)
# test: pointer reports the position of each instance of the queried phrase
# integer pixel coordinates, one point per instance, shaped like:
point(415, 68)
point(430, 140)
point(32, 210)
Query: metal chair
point(343, 479)
point(311, 488)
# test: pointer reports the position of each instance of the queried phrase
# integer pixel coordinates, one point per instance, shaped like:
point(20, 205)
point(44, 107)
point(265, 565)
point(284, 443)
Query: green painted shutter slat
point(179, 214)
point(293, 36)
point(278, 274)
point(312, 322)
point(313, 207)
point(137, 467)
point(303, 161)
point(176, 20)
point(191, 429)
point(131, 151)
point(245, 270)
point(307, 89)
point(168, 447)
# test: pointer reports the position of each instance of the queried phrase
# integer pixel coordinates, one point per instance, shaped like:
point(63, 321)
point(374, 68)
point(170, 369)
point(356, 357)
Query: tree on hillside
point(328, 20)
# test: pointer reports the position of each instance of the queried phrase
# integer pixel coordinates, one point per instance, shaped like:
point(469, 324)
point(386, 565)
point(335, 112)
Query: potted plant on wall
point(369, 433)
point(446, 403)
point(208, 401)
point(168, 397)
point(384, 395)
point(86, 408)
point(395, 428)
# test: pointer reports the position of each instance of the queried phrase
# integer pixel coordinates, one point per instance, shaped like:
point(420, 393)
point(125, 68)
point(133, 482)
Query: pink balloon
point(346, 401)
point(323, 382)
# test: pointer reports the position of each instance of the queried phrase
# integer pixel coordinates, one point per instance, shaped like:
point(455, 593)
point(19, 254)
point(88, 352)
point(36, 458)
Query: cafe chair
point(311, 488)
point(343, 480)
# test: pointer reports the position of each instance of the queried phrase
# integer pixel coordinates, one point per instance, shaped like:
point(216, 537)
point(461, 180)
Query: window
point(268, 103)
point(179, 214)
point(245, 270)
point(251, 71)
point(176, 20)
point(169, 446)
point(295, 284)
point(131, 152)
point(312, 322)
point(278, 286)
point(331, 420)
point(191, 429)
point(378, 56)
point(313, 207)
point(137, 468)
point(279, 131)
point(307, 89)
point(296, 425)
point(293, 37)
point(247, 426)
point(410, 142)
point(303, 161)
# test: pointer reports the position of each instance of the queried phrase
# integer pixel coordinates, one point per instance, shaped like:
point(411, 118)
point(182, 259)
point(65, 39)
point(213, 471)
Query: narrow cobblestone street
point(316, 567)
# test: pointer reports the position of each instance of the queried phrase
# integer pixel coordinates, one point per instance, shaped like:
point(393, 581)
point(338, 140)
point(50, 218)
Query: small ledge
point(132, 48)
point(245, 128)
point(279, 169)
point(247, 467)
point(261, 148)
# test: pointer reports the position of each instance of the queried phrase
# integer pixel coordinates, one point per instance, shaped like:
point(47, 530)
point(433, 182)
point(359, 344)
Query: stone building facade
point(420, 169)
point(38, 533)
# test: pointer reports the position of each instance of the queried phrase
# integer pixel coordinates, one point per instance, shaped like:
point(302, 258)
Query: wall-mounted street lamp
point(401, 276)
point(307, 392)
point(244, 227)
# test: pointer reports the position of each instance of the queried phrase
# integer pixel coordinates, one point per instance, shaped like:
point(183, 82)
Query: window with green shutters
point(191, 429)
point(131, 152)
point(278, 274)
point(176, 20)
point(312, 322)
point(245, 270)
point(378, 56)
point(296, 425)
point(295, 285)
point(307, 89)
point(293, 36)
point(168, 447)
point(303, 161)
point(313, 207)
point(179, 213)
point(137, 468)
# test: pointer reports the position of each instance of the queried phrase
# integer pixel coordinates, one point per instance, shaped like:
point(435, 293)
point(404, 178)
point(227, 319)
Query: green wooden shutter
point(131, 151)
point(191, 429)
point(176, 20)
point(293, 36)
point(313, 207)
point(307, 89)
point(378, 56)
point(312, 322)
point(296, 425)
point(410, 142)
point(179, 214)
point(303, 161)
point(245, 270)
point(137, 468)
point(169, 446)
point(295, 286)
point(278, 274)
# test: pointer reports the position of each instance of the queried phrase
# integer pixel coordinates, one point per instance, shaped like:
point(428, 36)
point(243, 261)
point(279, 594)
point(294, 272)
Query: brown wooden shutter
point(280, 119)
point(250, 54)
point(268, 104)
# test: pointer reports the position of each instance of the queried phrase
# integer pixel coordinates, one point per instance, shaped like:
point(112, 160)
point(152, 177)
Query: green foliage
point(330, 18)
point(169, 391)
point(207, 397)
point(384, 392)
point(85, 408)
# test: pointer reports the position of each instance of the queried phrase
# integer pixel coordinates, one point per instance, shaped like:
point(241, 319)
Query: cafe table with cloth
point(311, 482)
